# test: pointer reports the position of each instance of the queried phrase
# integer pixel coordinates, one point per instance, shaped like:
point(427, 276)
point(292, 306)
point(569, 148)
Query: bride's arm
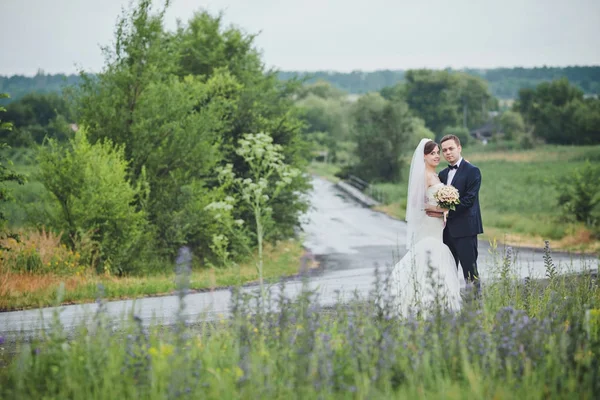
point(434, 214)
point(436, 209)
point(433, 211)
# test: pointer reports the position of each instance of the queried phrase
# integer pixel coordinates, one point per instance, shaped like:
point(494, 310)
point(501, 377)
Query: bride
point(426, 277)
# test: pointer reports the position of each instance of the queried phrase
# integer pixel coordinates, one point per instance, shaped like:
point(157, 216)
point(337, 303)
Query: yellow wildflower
point(238, 372)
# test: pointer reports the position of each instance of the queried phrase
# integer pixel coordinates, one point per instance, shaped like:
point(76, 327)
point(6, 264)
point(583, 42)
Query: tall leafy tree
point(171, 127)
point(37, 109)
point(178, 102)
point(327, 121)
point(587, 119)
point(473, 100)
point(36, 116)
point(558, 113)
point(431, 96)
point(265, 104)
point(321, 89)
point(512, 125)
point(394, 93)
point(141, 56)
point(382, 130)
point(7, 173)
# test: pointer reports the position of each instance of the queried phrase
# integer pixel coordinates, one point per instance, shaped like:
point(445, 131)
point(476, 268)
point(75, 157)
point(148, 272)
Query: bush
point(41, 252)
point(462, 133)
point(527, 141)
point(7, 174)
point(579, 195)
point(383, 130)
point(420, 131)
point(512, 125)
point(89, 183)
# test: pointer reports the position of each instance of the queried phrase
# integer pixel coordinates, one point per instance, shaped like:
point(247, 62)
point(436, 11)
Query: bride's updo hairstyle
point(429, 147)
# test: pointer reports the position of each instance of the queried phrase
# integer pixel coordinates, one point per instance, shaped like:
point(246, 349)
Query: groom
point(464, 223)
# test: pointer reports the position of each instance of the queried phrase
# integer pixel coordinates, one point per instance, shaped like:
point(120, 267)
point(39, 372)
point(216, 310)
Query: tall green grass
point(533, 340)
point(518, 193)
point(30, 205)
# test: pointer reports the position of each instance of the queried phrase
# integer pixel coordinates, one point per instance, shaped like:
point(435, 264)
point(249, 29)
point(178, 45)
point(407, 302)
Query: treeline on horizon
point(504, 83)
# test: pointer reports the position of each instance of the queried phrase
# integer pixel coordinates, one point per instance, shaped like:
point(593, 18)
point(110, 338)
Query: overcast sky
point(343, 35)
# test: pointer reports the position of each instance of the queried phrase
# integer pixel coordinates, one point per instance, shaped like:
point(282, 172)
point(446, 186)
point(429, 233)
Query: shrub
point(579, 195)
point(89, 183)
point(41, 252)
point(462, 133)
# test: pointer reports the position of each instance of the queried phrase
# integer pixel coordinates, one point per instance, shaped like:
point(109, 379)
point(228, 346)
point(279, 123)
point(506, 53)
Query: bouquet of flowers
point(447, 197)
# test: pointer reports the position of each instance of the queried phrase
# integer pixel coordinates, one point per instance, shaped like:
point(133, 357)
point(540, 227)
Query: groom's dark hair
point(451, 137)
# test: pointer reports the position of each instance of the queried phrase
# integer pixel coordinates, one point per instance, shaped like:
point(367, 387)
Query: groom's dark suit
point(464, 224)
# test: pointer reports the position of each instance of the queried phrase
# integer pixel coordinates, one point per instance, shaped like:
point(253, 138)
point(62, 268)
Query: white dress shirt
point(453, 172)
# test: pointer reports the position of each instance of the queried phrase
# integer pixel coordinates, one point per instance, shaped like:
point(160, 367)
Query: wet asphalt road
point(347, 240)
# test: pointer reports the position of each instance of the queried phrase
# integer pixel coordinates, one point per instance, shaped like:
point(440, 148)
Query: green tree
point(460, 131)
point(94, 197)
point(175, 138)
point(204, 47)
point(558, 113)
point(382, 130)
point(420, 131)
point(142, 55)
point(473, 100)
point(7, 174)
point(431, 96)
point(37, 109)
point(512, 125)
point(138, 102)
point(394, 93)
point(525, 103)
point(579, 196)
point(587, 119)
point(4, 126)
point(265, 105)
point(319, 113)
point(178, 103)
point(327, 121)
point(36, 116)
point(321, 89)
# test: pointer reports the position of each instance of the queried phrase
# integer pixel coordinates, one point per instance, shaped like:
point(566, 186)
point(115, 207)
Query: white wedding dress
point(426, 277)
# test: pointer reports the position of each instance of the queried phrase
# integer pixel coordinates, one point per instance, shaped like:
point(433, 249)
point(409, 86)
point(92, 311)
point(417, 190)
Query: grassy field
point(517, 341)
point(28, 197)
point(24, 290)
point(517, 197)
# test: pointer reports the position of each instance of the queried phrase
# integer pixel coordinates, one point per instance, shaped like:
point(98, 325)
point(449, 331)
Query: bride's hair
point(429, 147)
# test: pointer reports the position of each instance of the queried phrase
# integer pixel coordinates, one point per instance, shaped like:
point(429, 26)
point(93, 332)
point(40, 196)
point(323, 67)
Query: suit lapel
point(461, 167)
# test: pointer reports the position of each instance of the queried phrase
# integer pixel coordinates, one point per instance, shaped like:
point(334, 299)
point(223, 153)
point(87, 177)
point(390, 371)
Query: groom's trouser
point(464, 250)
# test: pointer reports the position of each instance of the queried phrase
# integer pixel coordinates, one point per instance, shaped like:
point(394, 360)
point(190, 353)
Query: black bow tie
point(453, 166)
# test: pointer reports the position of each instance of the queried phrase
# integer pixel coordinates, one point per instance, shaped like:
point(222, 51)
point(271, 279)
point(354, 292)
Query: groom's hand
point(434, 214)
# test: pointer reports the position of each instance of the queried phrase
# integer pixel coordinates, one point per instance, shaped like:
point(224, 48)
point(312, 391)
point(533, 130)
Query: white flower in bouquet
point(447, 197)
